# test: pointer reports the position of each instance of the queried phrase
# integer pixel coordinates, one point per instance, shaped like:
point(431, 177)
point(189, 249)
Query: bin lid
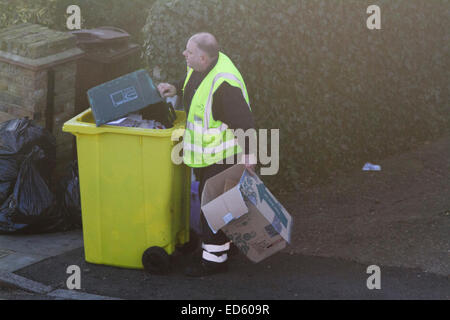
point(101, 35)
point(105, 44)
point(129, 93)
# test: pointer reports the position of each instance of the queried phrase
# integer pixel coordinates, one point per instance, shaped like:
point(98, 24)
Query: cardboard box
point(239, 204)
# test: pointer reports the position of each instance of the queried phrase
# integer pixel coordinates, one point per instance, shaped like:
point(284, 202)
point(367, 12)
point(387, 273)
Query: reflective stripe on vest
point(201, 129)
point(211, 150)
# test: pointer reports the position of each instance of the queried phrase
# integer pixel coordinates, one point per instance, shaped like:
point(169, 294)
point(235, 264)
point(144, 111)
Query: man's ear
point(204, 58)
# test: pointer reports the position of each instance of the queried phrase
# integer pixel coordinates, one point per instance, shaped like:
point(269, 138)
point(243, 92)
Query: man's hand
point(167, 90)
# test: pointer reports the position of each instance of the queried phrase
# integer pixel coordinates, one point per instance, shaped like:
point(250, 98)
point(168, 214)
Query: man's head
point(201, 50)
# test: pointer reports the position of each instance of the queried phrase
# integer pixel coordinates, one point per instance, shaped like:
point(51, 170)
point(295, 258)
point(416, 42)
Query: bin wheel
point(156, 261)
point(191, 245)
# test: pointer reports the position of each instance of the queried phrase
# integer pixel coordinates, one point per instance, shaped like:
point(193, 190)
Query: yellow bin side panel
point(182, 188)
point(133, 197)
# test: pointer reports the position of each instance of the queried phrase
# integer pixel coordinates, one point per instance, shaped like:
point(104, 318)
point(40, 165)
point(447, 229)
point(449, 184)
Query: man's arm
point(179, 86)
point(230, 107)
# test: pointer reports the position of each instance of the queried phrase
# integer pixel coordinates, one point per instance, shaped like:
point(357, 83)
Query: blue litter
point(371, 167)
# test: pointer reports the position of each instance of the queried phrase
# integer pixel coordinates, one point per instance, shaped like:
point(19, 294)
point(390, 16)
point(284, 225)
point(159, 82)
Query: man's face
point(195, 58)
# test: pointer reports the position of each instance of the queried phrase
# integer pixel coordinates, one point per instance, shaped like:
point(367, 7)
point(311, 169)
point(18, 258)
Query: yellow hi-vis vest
point(207, 141)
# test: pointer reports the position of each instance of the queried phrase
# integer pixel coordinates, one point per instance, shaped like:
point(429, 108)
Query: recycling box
point(238, 203)
point(119, 97)
point(132, 195)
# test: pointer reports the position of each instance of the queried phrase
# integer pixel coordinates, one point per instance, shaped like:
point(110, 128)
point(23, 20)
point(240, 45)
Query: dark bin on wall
point(109, 55)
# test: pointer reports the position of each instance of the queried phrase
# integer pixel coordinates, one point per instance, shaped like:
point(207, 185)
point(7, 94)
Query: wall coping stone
point(42, 63)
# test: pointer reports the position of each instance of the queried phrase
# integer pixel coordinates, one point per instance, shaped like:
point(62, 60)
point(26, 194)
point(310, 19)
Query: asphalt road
point(281, 277)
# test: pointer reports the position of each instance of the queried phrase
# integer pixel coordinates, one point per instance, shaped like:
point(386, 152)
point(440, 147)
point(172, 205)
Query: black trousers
point(203, 174)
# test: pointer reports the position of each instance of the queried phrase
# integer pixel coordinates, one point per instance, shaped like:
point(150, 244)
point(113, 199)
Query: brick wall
point(23, 93)
point(27, 53)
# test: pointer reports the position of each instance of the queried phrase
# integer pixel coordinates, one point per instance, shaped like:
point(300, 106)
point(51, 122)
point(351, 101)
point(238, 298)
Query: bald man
point(216, 102)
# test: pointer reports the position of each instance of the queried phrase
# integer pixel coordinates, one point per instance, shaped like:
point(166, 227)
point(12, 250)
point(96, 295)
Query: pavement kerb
point(11, 280)
point(76, 295)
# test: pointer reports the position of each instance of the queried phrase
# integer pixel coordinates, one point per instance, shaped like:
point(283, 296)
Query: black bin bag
point(9, 169)
point(17, 139)
point(32, 205)
point(69, 197)
point(162, 112)
point(29, 203)
point(27, 158)
point(32, 196)
point(19, 136)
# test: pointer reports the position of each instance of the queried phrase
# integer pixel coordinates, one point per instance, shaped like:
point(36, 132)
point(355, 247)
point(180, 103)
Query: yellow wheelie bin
point(133, 197)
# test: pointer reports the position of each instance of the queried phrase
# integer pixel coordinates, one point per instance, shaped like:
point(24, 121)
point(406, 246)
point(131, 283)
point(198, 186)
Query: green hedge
point(340, 94)
point(33, 11)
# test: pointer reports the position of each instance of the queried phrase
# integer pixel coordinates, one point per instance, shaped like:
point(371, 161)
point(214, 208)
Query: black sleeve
point(179, 86)
point(230, 107)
